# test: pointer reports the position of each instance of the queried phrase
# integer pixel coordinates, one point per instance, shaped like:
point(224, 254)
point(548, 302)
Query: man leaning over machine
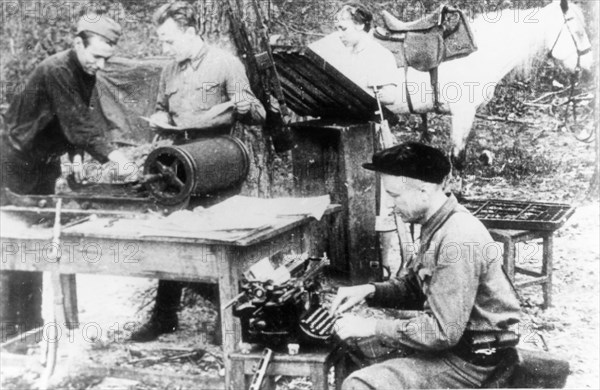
point(205, 90)
point(461, 297)
point(51, 116)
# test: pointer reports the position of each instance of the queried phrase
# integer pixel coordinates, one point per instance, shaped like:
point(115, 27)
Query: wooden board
point(313, 87)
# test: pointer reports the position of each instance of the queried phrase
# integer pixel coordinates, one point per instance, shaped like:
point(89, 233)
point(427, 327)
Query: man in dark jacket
point(453, 284)
point(50, 116)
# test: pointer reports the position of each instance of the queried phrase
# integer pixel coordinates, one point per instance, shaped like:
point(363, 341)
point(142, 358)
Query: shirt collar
point(361, 45)
point(196, 59)
point(76, 65)
point(438, 218)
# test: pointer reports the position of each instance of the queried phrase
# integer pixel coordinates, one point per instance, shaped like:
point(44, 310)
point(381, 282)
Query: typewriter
point(285, 309)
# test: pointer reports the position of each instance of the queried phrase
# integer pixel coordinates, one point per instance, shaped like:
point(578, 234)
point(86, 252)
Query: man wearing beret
point(50, 116)
point(204, 90)
point(454, 285)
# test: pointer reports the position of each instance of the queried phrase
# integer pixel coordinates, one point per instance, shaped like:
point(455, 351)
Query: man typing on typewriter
point(454, 282)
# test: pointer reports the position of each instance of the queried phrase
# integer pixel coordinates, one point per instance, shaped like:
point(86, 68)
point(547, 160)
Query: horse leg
point(424, 129)
point(462, 123)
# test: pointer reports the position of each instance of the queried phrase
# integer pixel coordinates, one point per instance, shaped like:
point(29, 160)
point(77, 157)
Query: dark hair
point(87, 35)
point(359, 14)
point(181, 12)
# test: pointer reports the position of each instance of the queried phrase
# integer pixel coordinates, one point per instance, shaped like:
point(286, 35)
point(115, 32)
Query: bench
point(314, 364)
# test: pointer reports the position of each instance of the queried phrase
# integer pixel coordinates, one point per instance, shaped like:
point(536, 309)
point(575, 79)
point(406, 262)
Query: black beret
point(412, 159)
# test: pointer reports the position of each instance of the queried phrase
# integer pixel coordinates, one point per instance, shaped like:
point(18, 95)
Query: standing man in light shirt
point(205, 89)
point(201, 79)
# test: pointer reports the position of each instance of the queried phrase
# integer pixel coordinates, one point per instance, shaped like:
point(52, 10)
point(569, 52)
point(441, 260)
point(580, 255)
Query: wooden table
point(103, 247)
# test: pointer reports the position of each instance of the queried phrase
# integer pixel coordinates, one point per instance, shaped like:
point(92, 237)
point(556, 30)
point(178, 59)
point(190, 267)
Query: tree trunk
point(594, 188)
point(214, 27)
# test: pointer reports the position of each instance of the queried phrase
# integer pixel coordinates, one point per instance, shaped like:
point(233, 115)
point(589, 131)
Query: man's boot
point(164, 314)
point(20, 302)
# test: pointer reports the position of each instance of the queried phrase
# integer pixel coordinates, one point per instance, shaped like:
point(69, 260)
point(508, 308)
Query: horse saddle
point(423, 44)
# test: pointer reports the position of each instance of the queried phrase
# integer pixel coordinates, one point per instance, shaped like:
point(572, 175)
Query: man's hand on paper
point(243, 106)
point(160, 118)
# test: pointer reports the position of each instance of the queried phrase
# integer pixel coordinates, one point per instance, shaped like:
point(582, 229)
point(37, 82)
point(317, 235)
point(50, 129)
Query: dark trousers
point(168, 297)
point(21, 292)
point(442, 370)
point(23, 175)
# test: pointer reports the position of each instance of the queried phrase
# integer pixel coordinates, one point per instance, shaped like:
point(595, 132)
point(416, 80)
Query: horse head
point(560, 32)
point(568, 42)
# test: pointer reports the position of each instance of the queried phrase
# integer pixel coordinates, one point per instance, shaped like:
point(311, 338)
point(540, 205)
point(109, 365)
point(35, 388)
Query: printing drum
point(202, 167)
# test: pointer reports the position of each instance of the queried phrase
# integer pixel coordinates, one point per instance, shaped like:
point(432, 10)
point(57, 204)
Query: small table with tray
point(511, 222)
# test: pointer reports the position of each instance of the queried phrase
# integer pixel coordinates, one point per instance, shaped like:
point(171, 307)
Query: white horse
point(505, 40)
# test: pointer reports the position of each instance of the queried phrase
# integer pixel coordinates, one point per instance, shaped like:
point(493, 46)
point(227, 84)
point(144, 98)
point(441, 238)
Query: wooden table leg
point(237, 377)
point(341, 370)
point(509, 258)
point(69, 289)
point(228, 287)
point(318, 377)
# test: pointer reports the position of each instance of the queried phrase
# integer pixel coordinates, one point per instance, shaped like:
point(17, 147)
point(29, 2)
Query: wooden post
point(69, 287)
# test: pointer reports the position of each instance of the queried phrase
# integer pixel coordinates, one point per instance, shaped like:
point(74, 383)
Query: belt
point(484, 358)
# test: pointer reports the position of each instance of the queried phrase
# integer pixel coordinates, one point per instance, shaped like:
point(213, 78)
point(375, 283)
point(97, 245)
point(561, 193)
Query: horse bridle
point(576, 74)
point(580, 52)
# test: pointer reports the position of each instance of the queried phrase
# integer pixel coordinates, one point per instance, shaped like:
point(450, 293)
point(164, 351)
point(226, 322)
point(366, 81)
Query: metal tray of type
point(517, 215)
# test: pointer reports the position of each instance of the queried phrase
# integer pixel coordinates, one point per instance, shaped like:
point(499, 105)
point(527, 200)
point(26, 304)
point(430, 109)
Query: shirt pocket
point(170, 90)
point(208, 94)
point(170, 95)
